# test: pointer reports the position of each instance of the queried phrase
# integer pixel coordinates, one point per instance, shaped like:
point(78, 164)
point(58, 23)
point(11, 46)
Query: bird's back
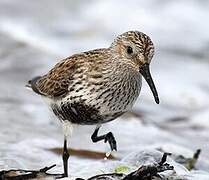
point(67, 73)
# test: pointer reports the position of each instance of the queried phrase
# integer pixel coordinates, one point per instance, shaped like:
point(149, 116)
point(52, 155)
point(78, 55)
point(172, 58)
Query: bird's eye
point(129, 50)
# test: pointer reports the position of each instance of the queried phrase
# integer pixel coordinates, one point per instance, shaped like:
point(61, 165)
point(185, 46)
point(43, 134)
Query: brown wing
point(59, 79)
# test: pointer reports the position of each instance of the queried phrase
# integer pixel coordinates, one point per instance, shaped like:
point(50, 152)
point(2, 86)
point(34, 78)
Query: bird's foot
point(109, 137)
point(106, 137)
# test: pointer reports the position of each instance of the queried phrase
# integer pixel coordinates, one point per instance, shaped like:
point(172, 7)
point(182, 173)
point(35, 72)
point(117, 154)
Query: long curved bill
point(145, 72)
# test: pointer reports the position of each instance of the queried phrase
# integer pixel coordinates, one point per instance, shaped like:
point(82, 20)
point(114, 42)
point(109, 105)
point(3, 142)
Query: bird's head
point(137, 49)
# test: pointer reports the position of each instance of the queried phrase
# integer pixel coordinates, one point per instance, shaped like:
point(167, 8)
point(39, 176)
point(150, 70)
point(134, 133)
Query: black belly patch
point(77, 113)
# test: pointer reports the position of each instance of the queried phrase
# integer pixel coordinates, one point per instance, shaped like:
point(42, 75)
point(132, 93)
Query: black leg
point(65, 157)
point(106, 137)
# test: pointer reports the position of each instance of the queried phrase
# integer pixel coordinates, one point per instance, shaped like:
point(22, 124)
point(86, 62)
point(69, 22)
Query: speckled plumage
point(99, 85)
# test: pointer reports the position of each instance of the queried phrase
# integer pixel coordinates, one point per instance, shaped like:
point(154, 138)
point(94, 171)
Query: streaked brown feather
point(57, 81)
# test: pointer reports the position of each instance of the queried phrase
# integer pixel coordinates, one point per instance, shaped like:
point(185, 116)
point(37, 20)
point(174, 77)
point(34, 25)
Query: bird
point(97, 86)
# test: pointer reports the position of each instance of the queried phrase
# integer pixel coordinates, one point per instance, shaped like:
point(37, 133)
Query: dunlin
point(97, 86)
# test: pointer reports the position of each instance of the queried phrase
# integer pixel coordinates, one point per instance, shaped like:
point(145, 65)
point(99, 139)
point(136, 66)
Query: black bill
point(145, 72)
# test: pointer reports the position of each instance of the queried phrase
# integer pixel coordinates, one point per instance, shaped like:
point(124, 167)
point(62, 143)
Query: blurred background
point(35, 35)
